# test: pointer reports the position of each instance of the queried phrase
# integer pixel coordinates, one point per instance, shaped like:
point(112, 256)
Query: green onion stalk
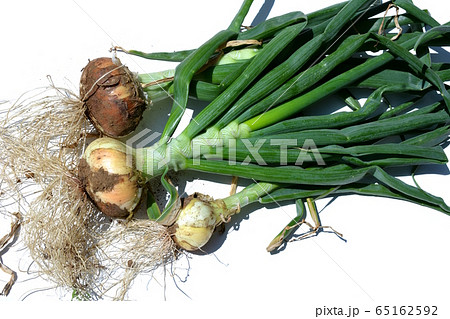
point(116, 98)
point(255, 129)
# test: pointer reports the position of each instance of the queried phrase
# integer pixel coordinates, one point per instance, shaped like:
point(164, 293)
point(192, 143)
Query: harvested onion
point(114, 99)
point(114, 186)
point(196, 221)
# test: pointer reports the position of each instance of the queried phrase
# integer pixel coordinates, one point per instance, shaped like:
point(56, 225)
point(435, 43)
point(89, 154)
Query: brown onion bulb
point(113, 186)
point(113, 97)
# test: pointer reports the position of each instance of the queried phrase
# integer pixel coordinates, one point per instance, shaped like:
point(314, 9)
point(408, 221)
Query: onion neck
point(153, 160)
point(248, 195)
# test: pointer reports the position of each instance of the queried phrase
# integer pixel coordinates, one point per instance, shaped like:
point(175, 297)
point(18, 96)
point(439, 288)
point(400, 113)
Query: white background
point(394, 253)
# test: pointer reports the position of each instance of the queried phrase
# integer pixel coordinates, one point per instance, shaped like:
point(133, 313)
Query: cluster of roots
point(42, 138)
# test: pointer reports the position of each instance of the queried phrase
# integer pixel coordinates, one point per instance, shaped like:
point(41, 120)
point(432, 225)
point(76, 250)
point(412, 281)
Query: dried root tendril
point(132, 248)
point(42, 138)
point(3, 241)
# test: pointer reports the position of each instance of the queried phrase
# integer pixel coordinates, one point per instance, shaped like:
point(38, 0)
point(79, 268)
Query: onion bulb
point(113, 186)
point(113, 97)
point(196, 221)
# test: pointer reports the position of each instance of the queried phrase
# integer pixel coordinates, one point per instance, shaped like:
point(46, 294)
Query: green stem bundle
point(255, 127)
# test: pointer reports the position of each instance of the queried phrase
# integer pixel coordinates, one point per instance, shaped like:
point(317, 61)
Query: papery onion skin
point(113, 97)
